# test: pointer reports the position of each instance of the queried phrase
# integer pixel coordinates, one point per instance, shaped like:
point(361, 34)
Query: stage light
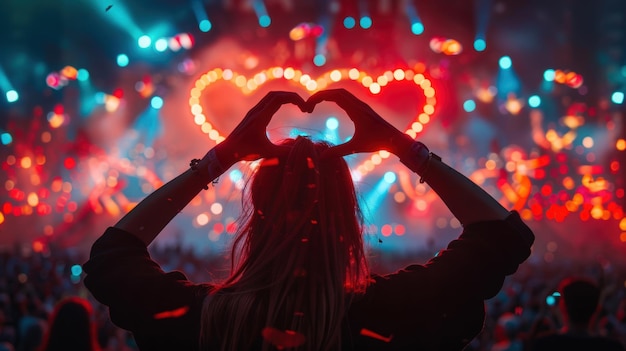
point(390, 177)
point(480, 45)
point(12, 96)
point(160, 45)
point(319, 60)
point(156, 102)
point(82, 75)
point(265, 21)
point(548, 75)
point(349, 22)
point(365, 22)
point(235, 175)
point(417, 28)
point(77, 270)
point(469, 105)
point(144, 41)
point(505, 62)
point(122, 60)
point(205, 25)
point(332, 123)
point(617, 97)
point(534, 101)
point(6, 138)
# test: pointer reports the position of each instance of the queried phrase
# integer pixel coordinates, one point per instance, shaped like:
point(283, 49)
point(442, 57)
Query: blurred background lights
point(12, 96)
point(480, 44)
point(144, 41)
point(235, 175)
point(349, 22)
point(505, 62)
point(160, 45)
point(617, 97)
point(156, 102)
point(6, 138)
point(205, 25)
point(534, 101)
point(332, 123)
point(469, 105)
point(417, 28)
point(365, 22)
point(265, 21)
point(76, 270)
point(548, 75)
point(319, 60)
point(390, 177)
point(122, 60)
point(82, 75)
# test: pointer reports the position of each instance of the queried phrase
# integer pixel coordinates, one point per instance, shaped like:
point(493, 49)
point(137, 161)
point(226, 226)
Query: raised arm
point(247, 142)
point(468, 202)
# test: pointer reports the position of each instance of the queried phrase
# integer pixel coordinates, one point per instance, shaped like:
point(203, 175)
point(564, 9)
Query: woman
point(71, 327)
point(300, 278)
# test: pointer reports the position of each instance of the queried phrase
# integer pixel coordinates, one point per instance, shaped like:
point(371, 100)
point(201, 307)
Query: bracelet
point(418, 159)
point(213, 168)
point(431, 155)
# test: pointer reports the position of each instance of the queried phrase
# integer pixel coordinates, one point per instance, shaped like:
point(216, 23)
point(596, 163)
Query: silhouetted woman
point(71, 327)
point(300, 279)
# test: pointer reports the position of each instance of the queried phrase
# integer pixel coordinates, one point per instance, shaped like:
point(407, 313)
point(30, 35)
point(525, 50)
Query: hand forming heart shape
point(373, 84)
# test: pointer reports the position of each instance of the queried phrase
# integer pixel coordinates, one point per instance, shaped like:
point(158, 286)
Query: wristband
point(208, 167)
point(418, 159)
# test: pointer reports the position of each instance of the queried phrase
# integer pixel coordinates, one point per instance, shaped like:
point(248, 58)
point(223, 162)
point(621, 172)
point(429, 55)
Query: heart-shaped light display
point(248, 85)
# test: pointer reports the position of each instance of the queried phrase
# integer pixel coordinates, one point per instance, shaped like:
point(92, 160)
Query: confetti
point(108, 8)
point(374, 335)
point(179, 312)
point(283, 339)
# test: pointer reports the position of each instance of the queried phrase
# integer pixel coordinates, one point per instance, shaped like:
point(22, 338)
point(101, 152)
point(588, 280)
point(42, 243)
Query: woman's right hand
point(371, 132)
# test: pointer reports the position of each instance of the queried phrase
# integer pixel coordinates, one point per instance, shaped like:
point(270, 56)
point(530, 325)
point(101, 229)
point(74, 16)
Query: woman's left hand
point(248, 141)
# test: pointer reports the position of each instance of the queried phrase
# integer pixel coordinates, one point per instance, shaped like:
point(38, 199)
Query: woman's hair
point(71, 327)
point(296, 261)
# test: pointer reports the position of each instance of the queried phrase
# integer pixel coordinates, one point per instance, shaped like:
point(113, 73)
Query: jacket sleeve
point(141, 297)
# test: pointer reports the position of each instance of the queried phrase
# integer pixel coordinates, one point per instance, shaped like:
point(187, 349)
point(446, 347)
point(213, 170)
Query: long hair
point(297, 260)
point(71, 327)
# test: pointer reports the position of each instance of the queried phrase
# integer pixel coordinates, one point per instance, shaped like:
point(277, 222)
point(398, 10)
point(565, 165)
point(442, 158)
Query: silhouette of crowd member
point(578, 305)
point(71, 327)
point(300, 279)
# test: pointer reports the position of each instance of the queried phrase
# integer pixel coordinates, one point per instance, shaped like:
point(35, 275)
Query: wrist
point(208, 168)
point(418, 158)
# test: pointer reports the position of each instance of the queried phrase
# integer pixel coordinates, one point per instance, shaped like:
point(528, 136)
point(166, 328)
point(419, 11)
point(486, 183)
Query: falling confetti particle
point(108, 8)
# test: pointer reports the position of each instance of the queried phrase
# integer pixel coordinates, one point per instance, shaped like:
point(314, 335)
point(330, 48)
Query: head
point(71, 326)
point(299, 254)
point(579, 300)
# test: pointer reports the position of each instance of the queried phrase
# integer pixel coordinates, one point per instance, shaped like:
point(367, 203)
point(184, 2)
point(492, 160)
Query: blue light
point(265, 21)
point(83, 75)
point(617, 97)
point(417, 28)
point(480, 44)
point(349, 22)
point(332, 123)
point(365, 22)
point(205, 25)
point(390, 177)
point(319, 60)
point(161, 45)
point(12, 96)
point(76, 270)
point(122, 60)
point(156, 102)
point(550, 300)
point(144, 41)
point(6, 138)
point(548, 75)
point(505, 62)
point(469, 105)
point(235, 175)
point(534, 101)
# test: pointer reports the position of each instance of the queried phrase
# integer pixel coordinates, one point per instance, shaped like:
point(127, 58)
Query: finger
point(275, 101)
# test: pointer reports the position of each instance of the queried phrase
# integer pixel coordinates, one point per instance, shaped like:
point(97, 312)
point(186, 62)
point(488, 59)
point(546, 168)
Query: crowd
point(33, 284)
